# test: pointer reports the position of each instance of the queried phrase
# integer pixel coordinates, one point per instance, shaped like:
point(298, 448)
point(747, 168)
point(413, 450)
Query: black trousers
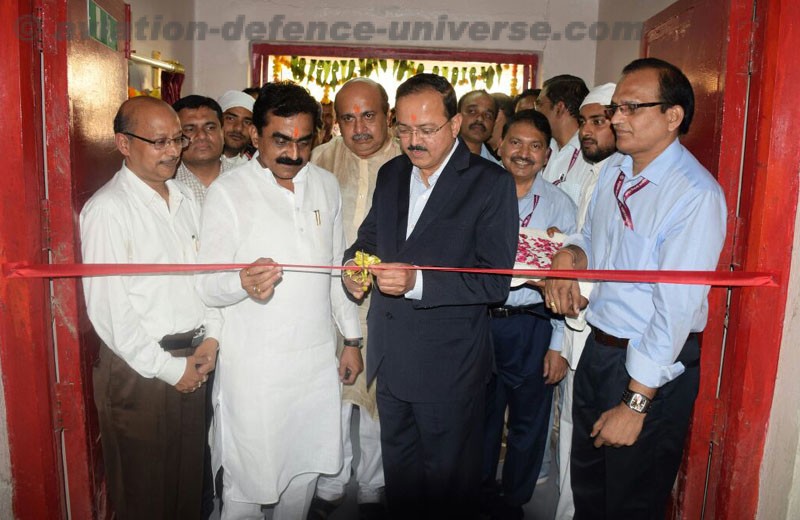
point(520, 344)
point(431, 456)
point(152, 438)
point(632, 482)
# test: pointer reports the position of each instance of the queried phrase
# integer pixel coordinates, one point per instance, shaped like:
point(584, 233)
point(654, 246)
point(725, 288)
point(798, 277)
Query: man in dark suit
point(437, 205)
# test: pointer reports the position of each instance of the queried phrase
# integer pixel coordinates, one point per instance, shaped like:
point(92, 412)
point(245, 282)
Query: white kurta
point(277, 393)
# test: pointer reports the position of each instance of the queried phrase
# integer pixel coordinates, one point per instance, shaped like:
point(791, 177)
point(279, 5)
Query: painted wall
point(614, 53)
point(221, 60)
point(779, 492)
point(158, 25)
point(6, 486)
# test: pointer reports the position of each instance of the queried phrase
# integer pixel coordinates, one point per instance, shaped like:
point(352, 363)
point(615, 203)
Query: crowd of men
point(243, 383)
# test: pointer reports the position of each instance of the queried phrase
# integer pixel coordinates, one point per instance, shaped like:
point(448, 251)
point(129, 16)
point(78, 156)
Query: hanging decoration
point(329, 74)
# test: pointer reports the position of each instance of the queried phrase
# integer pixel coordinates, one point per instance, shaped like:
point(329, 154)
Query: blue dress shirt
point(555, 209)
point(679, 222)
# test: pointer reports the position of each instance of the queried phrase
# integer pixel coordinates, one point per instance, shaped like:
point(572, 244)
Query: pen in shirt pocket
point(196, 243)
point(317, 217)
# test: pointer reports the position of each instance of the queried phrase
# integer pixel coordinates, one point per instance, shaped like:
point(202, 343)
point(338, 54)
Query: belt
point(608, 340)
point(505, 312)
point(183, 340)
point(612, 341)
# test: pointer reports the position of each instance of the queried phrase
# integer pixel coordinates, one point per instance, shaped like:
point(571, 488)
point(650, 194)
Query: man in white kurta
point(277, 394)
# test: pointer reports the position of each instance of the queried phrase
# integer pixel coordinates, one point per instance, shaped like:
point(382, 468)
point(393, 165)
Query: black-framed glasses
point(628, 109)
point(162, 143)
point(404, 132)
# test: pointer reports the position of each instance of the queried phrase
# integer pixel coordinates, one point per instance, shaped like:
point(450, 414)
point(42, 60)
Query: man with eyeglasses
point(560, 101)
point(277, 397)
point(354, 157)
point(159, 341)
point(201, 162)
point(437, 205)
point(598, 145)
point(478, 111)
point(654, 208)
point(237, 118)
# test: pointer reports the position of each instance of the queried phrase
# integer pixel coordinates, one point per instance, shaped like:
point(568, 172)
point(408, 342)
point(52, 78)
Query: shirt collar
point(415, 172)
point(659, 167)
point(144, 192)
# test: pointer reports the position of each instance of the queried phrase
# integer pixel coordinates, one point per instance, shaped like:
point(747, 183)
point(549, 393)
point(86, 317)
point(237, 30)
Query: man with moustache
point(598, 144)
point(159, 341)
point(237, 118)
point(277, 399)
point(437, 205)
point(478, 111)
point(526, 337)
point(655, 208)
point(362, 109)
point(560, 101)
point(201, 161)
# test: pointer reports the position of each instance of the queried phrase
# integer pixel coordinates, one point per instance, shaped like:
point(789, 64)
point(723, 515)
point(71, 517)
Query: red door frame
point(768, 209)
point(260, 51)
point(734, 423)
point(25, 349)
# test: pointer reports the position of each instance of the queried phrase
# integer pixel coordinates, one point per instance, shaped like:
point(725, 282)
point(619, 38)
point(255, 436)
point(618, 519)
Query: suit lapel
point(447, 183)
point(404, 180)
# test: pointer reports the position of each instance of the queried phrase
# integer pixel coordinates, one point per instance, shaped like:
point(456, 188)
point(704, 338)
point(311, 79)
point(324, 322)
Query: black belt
point(609, 340)
point(505, 312)
point(183, 340)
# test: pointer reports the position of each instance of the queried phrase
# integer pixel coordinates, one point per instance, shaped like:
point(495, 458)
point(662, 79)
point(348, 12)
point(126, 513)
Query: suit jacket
point(438, 348)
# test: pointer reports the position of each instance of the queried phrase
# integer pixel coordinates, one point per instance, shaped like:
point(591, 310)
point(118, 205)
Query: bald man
point(158, 338)
point(362, 111)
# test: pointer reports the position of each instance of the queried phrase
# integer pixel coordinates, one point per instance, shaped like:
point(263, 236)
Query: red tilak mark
point(295, 132)
point(356, 109)
point(413, 118)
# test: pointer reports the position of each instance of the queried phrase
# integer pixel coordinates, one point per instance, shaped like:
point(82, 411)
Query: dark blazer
point(438, 348)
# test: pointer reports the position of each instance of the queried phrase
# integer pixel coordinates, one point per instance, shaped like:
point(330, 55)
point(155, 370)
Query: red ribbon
point(725, 279)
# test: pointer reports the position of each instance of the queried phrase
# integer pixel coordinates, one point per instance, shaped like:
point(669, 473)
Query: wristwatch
point(636, 401)
point(356, 342)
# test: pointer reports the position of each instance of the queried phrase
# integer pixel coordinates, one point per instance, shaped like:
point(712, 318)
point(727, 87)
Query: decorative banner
point(724, 279)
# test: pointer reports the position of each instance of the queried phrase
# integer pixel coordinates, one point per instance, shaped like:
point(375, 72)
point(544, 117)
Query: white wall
point(6, 486)
point(223, 64)
point(779, 489)
point(154, 35)
point(614, 54)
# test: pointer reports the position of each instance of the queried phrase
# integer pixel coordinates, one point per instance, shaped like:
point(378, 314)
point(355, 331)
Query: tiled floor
point(541, 507)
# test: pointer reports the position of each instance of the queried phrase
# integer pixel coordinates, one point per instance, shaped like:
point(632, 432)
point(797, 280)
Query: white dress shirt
point(127, 222)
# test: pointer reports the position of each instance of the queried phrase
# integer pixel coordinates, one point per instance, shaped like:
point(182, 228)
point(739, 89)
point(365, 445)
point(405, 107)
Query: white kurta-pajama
point(277, 392)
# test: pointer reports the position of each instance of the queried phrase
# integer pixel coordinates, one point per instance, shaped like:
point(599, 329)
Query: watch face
point(635, 401)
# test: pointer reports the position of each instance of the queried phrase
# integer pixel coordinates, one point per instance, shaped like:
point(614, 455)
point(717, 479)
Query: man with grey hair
point(354, 157)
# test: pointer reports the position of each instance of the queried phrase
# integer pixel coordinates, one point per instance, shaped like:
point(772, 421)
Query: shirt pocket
point(636, 251)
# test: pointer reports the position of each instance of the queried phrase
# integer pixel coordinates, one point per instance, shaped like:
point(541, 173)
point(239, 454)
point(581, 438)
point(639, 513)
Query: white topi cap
point(235, 98)
point(600, 94)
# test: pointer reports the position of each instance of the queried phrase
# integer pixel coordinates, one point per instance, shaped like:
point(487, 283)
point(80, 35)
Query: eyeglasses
point(628, 109)
point(162, 143)
point(404, 132)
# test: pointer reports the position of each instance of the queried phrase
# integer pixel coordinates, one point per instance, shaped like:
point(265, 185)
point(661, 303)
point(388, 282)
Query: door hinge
point(44, 206)
point(34, 29)
point(65, 406)
point(737, 254)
